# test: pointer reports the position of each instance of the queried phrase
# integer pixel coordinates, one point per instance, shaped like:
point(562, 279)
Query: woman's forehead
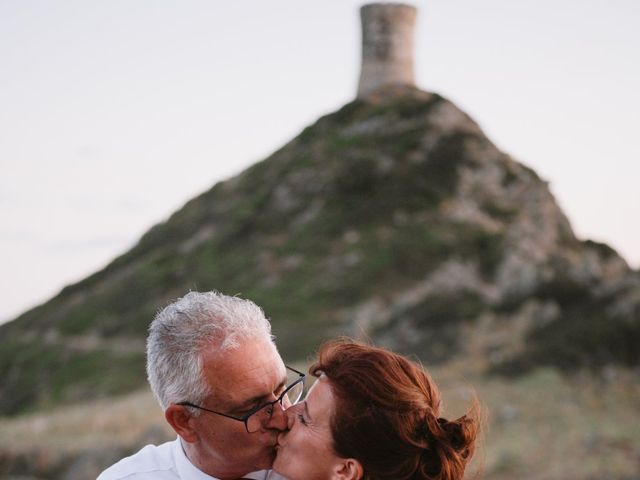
point(320, 399)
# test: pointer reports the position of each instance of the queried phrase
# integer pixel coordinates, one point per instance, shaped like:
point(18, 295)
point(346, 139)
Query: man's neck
point(209, 465)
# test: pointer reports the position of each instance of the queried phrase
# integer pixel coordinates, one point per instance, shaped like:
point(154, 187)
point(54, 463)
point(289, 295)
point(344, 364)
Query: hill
point(395, 219)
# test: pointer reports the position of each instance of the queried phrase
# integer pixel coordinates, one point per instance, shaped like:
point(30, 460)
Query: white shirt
point(166, 462)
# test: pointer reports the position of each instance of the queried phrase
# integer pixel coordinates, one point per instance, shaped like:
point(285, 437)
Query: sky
point(114, 113)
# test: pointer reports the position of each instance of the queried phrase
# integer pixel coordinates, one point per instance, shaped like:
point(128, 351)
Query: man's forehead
point(253, 369)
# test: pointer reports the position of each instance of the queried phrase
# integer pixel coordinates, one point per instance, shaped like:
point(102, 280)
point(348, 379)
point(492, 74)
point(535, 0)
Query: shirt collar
point(186, 469)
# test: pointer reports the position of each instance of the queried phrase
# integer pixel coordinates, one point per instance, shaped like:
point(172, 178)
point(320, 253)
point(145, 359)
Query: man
point(215, 370)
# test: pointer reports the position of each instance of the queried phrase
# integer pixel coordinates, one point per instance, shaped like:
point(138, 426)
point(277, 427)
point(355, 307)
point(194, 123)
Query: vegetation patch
point(604, 250)
point(70, 376)
point(585, 336)
point(501, 212)
point(437, 321)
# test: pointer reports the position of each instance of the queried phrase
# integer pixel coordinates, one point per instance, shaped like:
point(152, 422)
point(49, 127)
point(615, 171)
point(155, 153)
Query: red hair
point(387, 415)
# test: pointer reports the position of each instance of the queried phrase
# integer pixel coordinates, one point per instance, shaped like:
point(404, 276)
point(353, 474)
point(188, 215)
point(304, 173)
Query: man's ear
point(181, 420)
point(348, 469)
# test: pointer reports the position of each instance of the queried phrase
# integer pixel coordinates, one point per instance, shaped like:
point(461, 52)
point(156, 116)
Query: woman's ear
point(181, 421)
point(348, 469)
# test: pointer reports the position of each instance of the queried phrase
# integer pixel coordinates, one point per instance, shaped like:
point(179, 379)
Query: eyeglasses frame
point(244, 418)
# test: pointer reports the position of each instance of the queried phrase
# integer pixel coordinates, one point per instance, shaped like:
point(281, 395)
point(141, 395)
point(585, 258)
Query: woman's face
point(306, 450)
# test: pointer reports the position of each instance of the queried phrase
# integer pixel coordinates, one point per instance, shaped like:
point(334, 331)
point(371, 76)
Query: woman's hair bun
point(450, 445)
point(461, 432)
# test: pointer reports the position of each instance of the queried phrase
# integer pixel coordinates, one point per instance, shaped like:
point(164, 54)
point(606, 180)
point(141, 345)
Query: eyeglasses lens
point(291, 396)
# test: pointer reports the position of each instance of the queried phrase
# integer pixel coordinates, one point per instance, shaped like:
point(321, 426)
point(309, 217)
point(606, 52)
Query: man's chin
point(278, 457)
point(269, 458)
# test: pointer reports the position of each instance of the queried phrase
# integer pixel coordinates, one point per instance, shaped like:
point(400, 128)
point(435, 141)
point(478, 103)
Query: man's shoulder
point(271, 475)
point(150, 462)
point(264, 475)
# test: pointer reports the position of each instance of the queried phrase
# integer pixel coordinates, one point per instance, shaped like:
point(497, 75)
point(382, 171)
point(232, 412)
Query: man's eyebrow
point(261, 398)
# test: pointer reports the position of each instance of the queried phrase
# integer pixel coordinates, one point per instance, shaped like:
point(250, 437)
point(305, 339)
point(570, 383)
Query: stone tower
point(387, 46)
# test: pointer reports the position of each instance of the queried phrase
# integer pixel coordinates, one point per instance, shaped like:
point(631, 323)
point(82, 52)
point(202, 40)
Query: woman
point(372, 414)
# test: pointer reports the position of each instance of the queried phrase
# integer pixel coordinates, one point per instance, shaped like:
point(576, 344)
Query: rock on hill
point(394, 219)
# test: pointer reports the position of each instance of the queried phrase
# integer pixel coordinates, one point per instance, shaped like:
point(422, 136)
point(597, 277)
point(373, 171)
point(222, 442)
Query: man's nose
point(278, 420)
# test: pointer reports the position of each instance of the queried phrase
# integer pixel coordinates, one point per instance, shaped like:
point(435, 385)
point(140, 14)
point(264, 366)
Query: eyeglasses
point(260, 415)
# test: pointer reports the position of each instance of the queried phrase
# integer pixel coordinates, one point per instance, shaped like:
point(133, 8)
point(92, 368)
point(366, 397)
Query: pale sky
point(114, 113)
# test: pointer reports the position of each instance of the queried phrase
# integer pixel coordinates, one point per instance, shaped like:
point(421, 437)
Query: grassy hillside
point(393, 218)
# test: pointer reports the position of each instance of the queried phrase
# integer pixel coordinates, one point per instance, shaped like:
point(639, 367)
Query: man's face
point(242, 378)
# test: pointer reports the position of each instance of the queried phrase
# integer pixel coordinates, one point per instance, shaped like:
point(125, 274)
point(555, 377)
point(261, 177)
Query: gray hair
point(180, 330)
